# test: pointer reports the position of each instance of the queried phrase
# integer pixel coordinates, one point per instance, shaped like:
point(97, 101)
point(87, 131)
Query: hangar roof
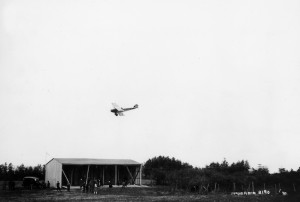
point(85, 161)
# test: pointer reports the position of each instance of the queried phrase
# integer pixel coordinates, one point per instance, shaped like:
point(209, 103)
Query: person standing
point(95, 188)
point(83, 187)
point(68, 186)
point(81, 183)
point(87, 186)
point(92, 184)
point(58, 186)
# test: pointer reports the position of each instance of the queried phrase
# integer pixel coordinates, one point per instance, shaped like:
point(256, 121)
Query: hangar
point(71, 170)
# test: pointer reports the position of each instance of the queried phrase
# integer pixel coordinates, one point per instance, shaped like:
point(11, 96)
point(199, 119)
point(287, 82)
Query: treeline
point(10, 172)
point(215, 177)
point(218, 177)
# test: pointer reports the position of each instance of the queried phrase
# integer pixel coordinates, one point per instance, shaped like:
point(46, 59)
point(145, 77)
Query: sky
point(213, 79)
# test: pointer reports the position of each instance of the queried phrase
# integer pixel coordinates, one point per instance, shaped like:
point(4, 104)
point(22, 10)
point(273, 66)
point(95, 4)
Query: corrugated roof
point(85, 161)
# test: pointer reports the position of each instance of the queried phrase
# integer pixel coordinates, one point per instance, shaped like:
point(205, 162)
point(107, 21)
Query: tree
point(240, 166)
point(38, 171)
point(20, 172)
point(282, 170)
point(158, 168)
point(10, 171)
point(3, 171)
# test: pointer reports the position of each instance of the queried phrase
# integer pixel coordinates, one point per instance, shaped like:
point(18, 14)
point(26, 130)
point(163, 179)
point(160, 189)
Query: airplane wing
point(116, 106)
point(120, 113)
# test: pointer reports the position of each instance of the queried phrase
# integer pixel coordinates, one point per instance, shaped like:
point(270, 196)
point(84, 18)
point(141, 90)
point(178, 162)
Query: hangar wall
point(53, 172)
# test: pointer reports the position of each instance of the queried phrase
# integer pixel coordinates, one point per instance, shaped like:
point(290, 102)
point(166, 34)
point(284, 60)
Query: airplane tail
point(135, 106)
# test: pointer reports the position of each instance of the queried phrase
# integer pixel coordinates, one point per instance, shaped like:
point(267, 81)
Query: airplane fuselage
point(114, 111)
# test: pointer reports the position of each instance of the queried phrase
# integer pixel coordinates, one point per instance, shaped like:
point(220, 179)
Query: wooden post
point(87, 174)
point(215, 186)
point(279, 186)
point(141, 175)
point(264, 186)
point(233, 187)
point(103, 175)
point(116, 173)
point(72, 177)
point(100, 175)
point(252, 186)
point(275, 189)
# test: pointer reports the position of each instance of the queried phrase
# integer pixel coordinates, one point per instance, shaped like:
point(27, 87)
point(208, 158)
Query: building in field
point(71, 170)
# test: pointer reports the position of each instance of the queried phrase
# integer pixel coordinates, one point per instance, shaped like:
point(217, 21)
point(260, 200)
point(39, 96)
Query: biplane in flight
point(118, 111)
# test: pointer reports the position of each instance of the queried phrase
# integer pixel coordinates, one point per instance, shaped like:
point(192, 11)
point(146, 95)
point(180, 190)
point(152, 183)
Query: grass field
point(131, 194)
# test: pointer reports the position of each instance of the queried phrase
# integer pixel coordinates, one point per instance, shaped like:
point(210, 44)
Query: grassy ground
point(131, 194)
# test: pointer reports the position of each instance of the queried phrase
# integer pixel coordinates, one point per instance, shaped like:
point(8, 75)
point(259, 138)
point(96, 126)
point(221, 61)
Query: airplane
point(118, 111)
